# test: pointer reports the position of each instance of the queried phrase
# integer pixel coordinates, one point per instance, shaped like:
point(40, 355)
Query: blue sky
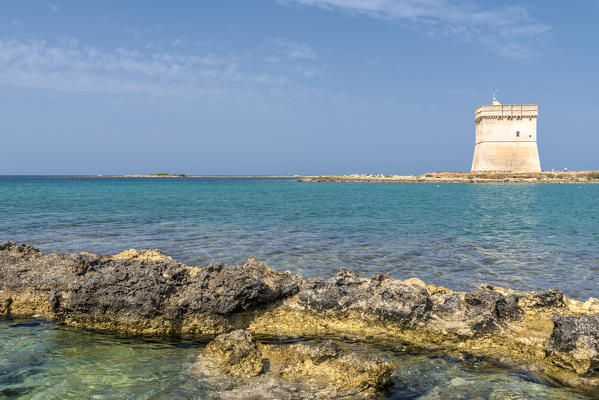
point(288, 86)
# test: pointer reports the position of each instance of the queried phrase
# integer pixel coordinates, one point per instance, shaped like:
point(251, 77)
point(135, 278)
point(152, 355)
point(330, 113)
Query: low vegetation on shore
point(164, 174)
point(466, 177)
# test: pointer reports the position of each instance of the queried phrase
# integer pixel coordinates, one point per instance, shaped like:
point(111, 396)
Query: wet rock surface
point(147, 292)
point(329, 363)
point(324, 370)
point(237, 353)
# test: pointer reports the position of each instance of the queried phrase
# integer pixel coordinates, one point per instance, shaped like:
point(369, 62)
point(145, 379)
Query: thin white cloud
point(71, 66)
point(53, 7)
point(292, 50)
point(17, 22)
point(508, 30)
point(294, 57)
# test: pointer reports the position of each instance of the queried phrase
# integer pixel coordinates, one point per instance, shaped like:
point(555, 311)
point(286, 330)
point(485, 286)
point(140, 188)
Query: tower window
point(517, 133)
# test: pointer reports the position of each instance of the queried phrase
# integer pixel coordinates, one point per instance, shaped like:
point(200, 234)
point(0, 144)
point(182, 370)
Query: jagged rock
point(147, 292)
point(486, 299)
point(22, 250)
point(237, 353)
point(487, 321)
point(550, 298)
point(141, 292)
point(489, 308)
point(5, 306)
point(409, 304)
point(326, 365)
point(574, 342)
point(323, 351)
point(223, 289)
point(378, 297)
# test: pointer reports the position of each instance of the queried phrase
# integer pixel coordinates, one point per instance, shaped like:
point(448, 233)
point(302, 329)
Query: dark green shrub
point(593, 175)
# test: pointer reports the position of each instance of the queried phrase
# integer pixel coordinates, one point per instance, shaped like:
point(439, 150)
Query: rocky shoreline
point(572, 177)
point(148, 293)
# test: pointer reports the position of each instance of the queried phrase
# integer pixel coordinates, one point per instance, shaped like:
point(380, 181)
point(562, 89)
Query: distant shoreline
point(570, 177)
point(191, 176)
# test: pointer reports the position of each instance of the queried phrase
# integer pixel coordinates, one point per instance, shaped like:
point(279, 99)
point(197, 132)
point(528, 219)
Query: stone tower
point(506, 138)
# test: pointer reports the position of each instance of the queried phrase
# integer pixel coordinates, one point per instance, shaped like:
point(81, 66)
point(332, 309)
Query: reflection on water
point(43, 360)
point(456, 235)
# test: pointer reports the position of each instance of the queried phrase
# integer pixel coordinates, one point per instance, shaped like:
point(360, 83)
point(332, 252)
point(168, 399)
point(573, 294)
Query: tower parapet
point(506, 138)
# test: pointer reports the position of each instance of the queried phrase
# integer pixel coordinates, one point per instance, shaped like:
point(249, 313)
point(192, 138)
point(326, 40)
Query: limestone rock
point(146, 292)
point(574, 342)
point(409, 304)
point(378, 297)
point(237, 353)
point(15, 250)
point(550, 298)
point(327, 362)
point(146, 254)
point(489, 308)
point(141, 292)
point(325, 365)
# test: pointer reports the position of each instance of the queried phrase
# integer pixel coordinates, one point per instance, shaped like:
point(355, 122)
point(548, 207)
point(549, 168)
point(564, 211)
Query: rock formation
point(141, 292)
point(146, 292)
point(324, 369)
point(237, 353)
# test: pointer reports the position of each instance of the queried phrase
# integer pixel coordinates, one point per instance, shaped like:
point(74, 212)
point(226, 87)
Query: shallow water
point(457, 235)
point(42, 360)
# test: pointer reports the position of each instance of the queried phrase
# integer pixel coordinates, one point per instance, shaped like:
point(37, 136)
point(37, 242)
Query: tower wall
point(506, 139)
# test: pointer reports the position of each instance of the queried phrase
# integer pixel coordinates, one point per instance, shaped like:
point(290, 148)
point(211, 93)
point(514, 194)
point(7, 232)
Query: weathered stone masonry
point(506, 138)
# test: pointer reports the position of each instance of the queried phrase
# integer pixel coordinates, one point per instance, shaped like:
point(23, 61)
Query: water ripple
point(528, 237)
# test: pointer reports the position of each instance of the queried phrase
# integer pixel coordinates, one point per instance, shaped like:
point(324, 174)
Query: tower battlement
point(506, 138)
point(508, 111)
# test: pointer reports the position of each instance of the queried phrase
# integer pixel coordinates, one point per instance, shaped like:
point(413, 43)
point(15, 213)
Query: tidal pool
point(41, 359)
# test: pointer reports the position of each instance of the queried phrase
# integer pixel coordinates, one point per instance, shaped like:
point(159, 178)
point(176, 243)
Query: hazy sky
point(288, 86)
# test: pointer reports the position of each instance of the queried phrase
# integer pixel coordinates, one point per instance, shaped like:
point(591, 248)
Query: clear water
point(43, 360)
point(526, 237)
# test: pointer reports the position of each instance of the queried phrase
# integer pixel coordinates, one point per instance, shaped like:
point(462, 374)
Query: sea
point(521, 236)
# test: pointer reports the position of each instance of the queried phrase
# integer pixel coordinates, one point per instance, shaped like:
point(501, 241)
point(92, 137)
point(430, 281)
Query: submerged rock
point(324, 369)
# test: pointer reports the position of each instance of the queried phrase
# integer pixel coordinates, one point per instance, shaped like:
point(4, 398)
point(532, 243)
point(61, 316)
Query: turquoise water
point(458, 235)
point(42, 360)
